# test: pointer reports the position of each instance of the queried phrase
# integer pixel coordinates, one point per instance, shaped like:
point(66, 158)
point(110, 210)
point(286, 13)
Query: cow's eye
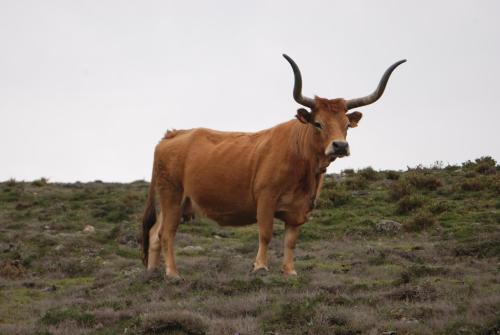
point(318, 125)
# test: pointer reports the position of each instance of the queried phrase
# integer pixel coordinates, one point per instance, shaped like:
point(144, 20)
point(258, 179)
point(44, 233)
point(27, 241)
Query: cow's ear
point(303, 115)
point(354, 118)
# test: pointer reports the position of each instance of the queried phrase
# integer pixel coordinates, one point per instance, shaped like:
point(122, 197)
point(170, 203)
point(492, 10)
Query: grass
point(437, 275)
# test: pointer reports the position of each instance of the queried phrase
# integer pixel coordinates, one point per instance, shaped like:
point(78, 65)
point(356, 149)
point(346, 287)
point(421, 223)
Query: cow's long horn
point(297, 86)
point(369, 99)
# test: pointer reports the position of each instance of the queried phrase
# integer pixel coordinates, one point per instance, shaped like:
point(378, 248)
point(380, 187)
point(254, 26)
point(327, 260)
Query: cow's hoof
point(260, 270)
point(291, 273)
point(173, 277)
point(151, 274)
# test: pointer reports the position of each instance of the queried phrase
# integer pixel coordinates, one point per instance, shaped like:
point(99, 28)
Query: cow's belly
point(221, 190)
point(294, 207)
point(226, 212)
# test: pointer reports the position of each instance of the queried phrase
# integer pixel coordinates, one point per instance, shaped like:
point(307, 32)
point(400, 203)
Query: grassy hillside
point(436, 272)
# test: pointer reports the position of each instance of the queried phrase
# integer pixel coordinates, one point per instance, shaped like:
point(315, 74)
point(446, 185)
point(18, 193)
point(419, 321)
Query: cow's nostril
point(340, 145)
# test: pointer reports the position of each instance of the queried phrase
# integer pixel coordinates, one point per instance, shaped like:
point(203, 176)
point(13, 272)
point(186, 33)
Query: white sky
point(87, 88)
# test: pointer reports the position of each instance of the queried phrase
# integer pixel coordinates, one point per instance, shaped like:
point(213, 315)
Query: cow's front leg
point(265, 216)
point(291, 235)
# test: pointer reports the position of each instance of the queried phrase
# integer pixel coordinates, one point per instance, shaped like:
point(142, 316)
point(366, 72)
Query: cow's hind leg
point(291, 235)
point(171, 215)
point(154, 245)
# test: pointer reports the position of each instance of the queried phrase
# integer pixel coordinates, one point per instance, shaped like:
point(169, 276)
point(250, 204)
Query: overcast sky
point(87, 88)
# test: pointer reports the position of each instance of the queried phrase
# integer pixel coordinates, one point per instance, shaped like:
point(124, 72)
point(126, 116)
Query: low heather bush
point(424, 181)
point(420, 221)
point(409, 203)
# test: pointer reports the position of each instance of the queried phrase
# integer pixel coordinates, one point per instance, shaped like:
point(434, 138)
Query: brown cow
point(237, 178)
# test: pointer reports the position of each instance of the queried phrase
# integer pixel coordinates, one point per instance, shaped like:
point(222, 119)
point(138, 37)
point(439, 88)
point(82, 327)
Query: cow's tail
point(148, 220)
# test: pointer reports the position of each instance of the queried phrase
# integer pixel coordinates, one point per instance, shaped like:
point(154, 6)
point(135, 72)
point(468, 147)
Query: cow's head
point(330, 118)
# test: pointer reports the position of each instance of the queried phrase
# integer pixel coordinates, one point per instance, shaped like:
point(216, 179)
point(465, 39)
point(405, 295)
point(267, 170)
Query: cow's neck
point(306, 149)
point(311, 162)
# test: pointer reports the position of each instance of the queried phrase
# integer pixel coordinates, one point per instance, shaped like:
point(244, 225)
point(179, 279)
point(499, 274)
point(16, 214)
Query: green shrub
point(368, 173)
point(409, 203)
point(495, 186)
point(347, 173)
point(11, 182)
point(86, 194)
point(11, 195)
point(420, 221)
point(483, 165)
point(355, 182)
point(423, 181)
point(338, 196)
point(40, 182)
point(451, 168)
point(398, 190)
point(113, 210)
point(470, 174)
point(439, 207)
point(472, 185)
point(377, 259)
point(74, 267)
point(392, 175)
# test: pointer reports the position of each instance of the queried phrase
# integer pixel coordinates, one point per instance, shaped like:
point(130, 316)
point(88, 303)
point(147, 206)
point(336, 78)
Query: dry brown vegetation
point(436, 273)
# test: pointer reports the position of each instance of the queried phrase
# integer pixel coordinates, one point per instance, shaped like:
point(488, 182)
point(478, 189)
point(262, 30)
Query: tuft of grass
point(113, 210)
point(78, 267)
point(481, 248)
point(237, 285)
point(415, 271)
point(57, 315)
point(292, 315)
point(439, 207)
point(414, 293)
point(174, 322)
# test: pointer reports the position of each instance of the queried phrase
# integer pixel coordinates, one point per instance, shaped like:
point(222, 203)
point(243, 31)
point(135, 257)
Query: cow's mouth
point(336, 155)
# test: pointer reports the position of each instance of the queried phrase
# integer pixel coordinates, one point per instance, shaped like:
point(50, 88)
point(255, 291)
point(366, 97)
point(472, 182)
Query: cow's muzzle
point(340, 149)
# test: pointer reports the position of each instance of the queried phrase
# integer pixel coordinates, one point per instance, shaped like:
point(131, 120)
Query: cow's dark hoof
point(174, 278)
point(152, 275)
point(260, 271)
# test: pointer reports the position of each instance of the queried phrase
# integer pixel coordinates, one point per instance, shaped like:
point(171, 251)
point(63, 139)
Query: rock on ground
point(89, 229)
point(388, 226)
